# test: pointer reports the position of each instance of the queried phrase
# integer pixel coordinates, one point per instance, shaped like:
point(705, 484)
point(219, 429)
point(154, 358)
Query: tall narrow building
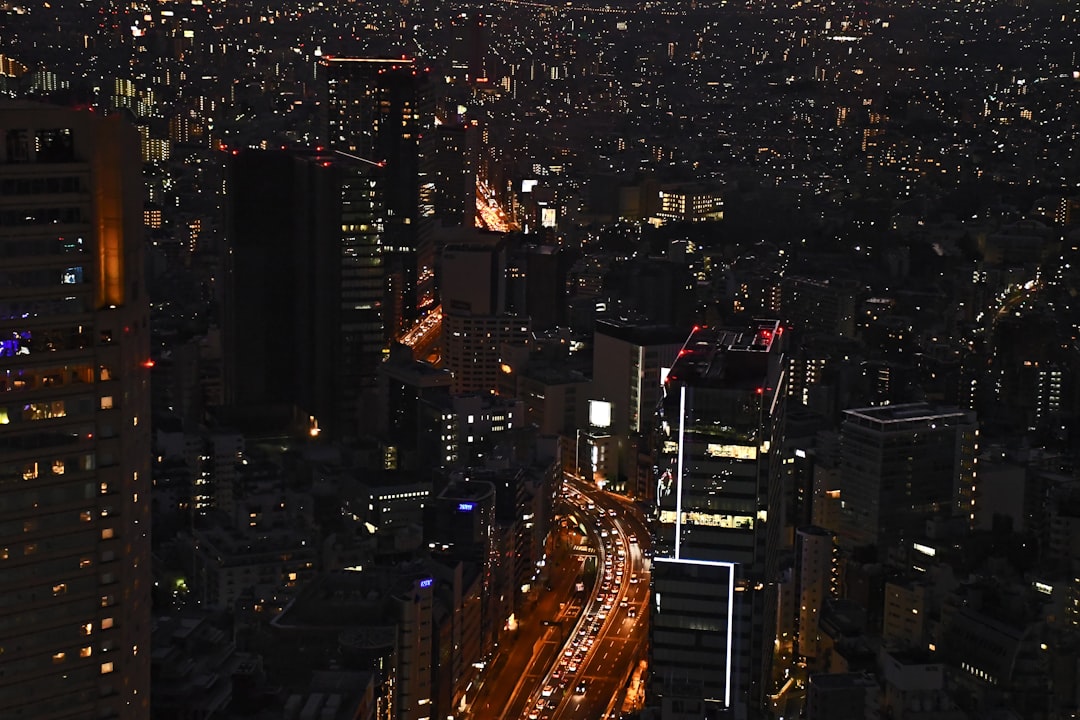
point(717, 503)
point(303, 248)
point(477, 328)
point(627, 363)
point(282, 261)
point(74, 418)
point(379, 110)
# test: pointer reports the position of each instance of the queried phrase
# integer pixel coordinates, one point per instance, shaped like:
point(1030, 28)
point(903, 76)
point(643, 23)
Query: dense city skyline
point(524, 360)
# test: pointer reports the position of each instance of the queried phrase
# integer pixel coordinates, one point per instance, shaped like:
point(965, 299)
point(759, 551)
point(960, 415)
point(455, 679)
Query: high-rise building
point(303, 248)
point(717, 494)
point(280, 263)
point(825, 306)
point(74, 418)
point(901, 465)
point(468, 48)
point(628, 361)
point(476, 324)
point(816, 581)
point(461, 526)
point(456, 154)
point(379, 110)
point(403, 384)
point(545, 286)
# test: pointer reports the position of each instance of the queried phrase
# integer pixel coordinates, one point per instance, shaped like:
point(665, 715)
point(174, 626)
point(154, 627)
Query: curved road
point(575, 652)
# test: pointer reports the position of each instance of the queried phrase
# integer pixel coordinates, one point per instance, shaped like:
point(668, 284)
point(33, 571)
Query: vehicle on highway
point(580, 688)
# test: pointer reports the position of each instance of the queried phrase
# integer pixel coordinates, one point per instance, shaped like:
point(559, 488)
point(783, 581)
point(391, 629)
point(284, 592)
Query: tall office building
point(467, 52)
point(74, 419)
point(477, 327)
point(380, 110)
point(717, 497)
point(279, 259)
point(902, 464)
point(627, 364)
point(461, 526)
point(303, 249)
point(455, 157)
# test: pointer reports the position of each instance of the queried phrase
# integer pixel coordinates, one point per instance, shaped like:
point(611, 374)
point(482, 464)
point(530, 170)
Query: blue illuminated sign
point(466, 506)
point(426, 582)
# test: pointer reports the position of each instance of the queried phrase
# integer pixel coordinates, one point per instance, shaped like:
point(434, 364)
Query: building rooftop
point(909, 413)
point(727, 356)
point(842, 680)
point(467, 490)
point(642, 335)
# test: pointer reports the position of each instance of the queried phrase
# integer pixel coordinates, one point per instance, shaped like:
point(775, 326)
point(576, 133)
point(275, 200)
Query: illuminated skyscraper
point(379, 110)
point(74, 419)
point(718, 504)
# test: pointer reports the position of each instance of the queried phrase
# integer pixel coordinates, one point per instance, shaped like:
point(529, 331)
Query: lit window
point(107, 533)
point(59, 589)
point(58, 467)
point(86, 628)
point(106, 668)
point(106, 623)
point(86, 652)
point(58, 657)
point(107, 402)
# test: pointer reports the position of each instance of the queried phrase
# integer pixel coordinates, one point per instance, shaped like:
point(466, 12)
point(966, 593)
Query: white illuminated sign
point(924, 549)
point(730, 610)
point(736, 452)
point(599, 413)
